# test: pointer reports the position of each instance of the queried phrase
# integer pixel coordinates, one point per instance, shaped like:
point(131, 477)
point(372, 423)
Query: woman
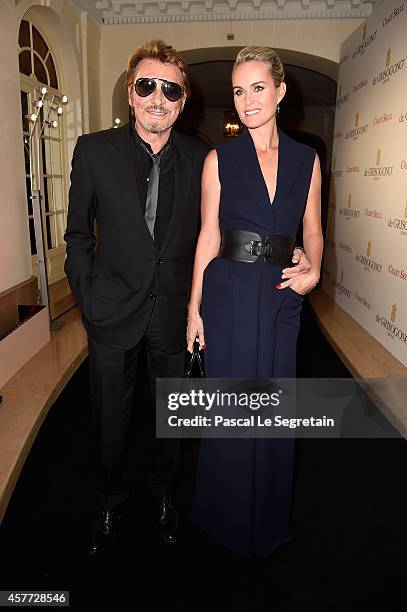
point(263, 183)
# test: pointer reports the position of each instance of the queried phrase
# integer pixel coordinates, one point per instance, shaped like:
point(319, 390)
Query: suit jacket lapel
point(121, 154)
point(182, 187)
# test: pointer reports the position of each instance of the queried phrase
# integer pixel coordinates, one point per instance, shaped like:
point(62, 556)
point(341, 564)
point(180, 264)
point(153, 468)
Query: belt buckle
point(267, 249)
point(254, 248)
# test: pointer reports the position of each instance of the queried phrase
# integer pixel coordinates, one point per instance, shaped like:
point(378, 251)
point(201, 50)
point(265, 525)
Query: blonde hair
point(268, 56)
point(158, 50)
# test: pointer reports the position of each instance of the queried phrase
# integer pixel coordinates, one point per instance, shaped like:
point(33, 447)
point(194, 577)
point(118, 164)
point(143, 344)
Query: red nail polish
point(278, 286)
point(203, 347)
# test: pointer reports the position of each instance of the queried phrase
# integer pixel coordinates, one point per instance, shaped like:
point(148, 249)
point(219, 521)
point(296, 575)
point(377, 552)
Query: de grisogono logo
point(331, 244)
point(332, 196)
point(379, 171)
point(345, 246)
point(366, 42)
point(342, 98)
point(335, 173)
point(366, 261)
point(349, 212)
point(341, 287)
point(358, 130)
point(403, 118)
point(399, 223)
point(390, 325)
point(390, 70)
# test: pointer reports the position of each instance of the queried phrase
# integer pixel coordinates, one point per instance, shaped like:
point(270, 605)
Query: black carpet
point(348, 547)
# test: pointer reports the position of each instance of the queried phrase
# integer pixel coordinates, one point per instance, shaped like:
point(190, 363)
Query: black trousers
point(113, 380)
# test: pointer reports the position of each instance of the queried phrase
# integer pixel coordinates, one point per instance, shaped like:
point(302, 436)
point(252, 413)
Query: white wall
point(76, 51)
point(15, 257)
point(365, 268)
point(93, 43)
point(90, 60)
point(317, 37)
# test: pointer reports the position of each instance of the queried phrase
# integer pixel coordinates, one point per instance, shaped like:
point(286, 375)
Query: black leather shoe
point(167, 520)
point(103, 530)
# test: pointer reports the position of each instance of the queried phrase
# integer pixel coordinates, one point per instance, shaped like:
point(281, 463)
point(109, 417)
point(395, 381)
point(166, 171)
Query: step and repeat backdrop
point(365, 261)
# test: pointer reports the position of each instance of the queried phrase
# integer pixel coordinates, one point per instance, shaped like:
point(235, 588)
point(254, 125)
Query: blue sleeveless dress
point(244, 486)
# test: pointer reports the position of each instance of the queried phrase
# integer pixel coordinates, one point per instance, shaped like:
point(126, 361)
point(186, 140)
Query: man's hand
point(302, 283)
point(301, 262)
point(299, 277)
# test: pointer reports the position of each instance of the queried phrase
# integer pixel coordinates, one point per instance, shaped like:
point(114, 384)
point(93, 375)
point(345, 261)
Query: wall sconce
point(51, 105)
point(231, 124)
point(230, 34)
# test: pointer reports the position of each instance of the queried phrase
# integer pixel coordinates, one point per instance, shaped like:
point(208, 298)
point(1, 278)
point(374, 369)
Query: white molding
point(130, 12)
point(88, 7)
point(225, 17)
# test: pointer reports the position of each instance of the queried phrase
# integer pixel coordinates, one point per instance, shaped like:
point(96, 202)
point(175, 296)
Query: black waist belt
point(240, 245)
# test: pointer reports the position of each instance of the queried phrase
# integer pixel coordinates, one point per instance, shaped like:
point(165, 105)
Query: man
point(141, 183)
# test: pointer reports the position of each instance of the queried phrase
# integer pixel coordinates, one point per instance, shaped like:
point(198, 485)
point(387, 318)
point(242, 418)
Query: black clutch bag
point(195, 366)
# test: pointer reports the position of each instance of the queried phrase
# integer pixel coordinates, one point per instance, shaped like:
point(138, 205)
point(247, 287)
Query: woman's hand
point(195, 331)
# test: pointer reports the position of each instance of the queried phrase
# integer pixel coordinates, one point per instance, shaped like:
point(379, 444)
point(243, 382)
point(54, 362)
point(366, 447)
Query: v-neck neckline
point(270, 203)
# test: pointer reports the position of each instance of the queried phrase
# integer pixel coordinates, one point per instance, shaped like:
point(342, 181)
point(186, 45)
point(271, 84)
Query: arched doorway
point(308, 106)
point(43, 155)
point(47, 58)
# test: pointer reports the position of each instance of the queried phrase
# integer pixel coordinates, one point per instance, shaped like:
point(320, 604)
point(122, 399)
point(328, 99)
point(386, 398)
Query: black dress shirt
point(143, 164)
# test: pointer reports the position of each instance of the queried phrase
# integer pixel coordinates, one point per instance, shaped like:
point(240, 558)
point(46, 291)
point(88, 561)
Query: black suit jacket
point(116, 284)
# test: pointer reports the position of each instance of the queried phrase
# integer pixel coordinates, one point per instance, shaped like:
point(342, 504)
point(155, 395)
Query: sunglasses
point(145, 87)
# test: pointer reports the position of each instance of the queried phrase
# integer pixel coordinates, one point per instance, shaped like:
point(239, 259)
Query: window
point(34, 56)
point(44, 160)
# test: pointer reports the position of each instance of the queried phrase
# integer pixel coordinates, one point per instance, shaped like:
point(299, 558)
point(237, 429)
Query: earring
point(278, 109)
